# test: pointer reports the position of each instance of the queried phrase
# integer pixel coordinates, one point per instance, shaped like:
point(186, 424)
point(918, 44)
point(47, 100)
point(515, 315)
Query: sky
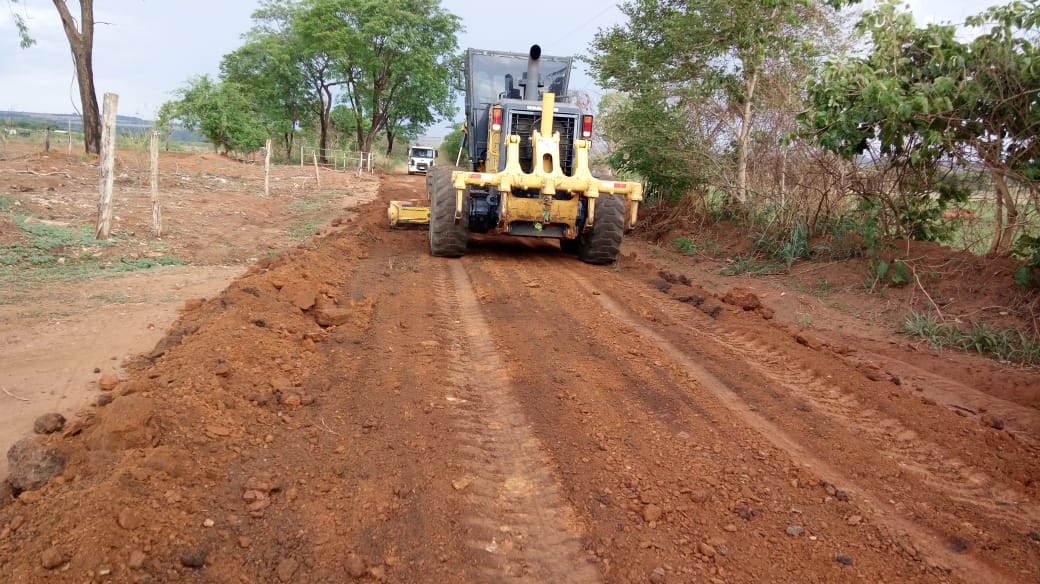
point(145, 49)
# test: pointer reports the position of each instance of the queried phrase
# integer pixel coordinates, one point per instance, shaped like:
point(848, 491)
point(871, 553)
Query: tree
point(269, 70)
point(452, 144)
point(685, 53)
point(422, 100)
point(221, 111)
point(388, 55)
point(81, 42)
point(650, 138)
point(924, 98)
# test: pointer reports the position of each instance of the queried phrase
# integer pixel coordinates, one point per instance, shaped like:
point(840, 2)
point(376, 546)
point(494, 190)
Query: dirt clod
point(193, 559)
point(327, 316)
point(52, 558)
point(808, 340)
point(49, 423)
point(108, 381)
point(994, 422)
point(356, 566)
point(286, 569)
point(128, 519)
point(137, 559)
point(742, 298)
point(660, 284)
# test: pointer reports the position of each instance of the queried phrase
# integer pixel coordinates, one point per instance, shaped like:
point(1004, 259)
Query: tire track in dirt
point(772, 365)
point(892, 439)
point(1023, 421)
point(645, 434)
point(518, 523)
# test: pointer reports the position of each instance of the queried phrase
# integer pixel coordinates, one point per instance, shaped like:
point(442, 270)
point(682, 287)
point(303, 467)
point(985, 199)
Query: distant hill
point(124, 124)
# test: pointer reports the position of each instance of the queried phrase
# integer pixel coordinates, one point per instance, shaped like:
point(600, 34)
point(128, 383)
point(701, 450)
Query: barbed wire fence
point(337, 159)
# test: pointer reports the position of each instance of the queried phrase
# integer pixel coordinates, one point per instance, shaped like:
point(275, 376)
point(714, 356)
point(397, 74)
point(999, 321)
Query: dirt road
point(359, 409)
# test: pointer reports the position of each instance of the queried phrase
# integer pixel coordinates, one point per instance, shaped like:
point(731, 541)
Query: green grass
point(50, 237)
point(27, 274)
point(687, 246)
point(1002, 343)
point(55, 252)
point(752, 265)
point(303, 229)
point(318, 202)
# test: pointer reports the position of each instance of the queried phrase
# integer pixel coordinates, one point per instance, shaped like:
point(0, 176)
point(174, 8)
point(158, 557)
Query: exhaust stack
point(532, 77)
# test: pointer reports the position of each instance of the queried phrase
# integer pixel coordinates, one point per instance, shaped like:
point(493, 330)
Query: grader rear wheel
point(447, 238)
point(603, 244)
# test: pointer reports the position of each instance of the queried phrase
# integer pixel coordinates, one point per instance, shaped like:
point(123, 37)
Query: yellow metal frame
point(408, 213)
point(547, 177)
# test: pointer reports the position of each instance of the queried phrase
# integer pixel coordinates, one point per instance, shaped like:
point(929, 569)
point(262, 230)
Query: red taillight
point(496, 119)
point(586, 127)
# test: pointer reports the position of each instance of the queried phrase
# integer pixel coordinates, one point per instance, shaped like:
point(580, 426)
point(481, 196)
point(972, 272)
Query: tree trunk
point(1004, 235)
point(326, 114)
point(389, 142)
point(81, 42)
point(744, 138)
point(288, 144)
point(998, 214)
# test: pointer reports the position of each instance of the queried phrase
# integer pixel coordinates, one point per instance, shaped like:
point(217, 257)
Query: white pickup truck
point(420, 159)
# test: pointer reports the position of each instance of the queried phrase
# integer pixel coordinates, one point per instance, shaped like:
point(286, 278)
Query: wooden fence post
point(47, 139)
point(70, 137)
point(108, 159)
point(267, 169)
point(317, 177)
point(156, 210)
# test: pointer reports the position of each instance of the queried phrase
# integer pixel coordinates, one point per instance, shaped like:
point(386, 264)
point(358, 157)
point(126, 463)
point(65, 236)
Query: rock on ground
point(31, 465)
point(49, 423)
point(6, 494)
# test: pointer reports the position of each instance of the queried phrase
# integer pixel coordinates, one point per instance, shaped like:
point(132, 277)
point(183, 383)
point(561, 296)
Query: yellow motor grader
point(529, 166)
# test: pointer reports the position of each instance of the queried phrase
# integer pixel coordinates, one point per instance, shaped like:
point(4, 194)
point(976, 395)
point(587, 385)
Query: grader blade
point(408, 213)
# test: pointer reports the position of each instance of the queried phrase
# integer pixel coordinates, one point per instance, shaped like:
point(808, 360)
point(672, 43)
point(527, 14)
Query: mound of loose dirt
point(170, 476)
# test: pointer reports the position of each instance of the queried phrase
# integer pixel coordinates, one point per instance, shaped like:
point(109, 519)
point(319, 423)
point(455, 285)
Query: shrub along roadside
point(1005, 344)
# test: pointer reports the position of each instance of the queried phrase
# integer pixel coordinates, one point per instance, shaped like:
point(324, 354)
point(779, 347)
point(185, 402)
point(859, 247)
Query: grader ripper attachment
point(529, 165)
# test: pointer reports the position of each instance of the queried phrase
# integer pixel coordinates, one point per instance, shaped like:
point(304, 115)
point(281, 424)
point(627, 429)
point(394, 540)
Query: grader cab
point(529, 164)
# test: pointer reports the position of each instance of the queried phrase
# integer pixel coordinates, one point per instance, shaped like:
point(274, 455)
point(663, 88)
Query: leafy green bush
point(685, 245)
point(890, 273)
point(1028, 248)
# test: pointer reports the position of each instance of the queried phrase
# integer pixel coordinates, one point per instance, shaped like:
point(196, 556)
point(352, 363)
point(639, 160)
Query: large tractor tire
point(447, 238)
point(603, 244)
